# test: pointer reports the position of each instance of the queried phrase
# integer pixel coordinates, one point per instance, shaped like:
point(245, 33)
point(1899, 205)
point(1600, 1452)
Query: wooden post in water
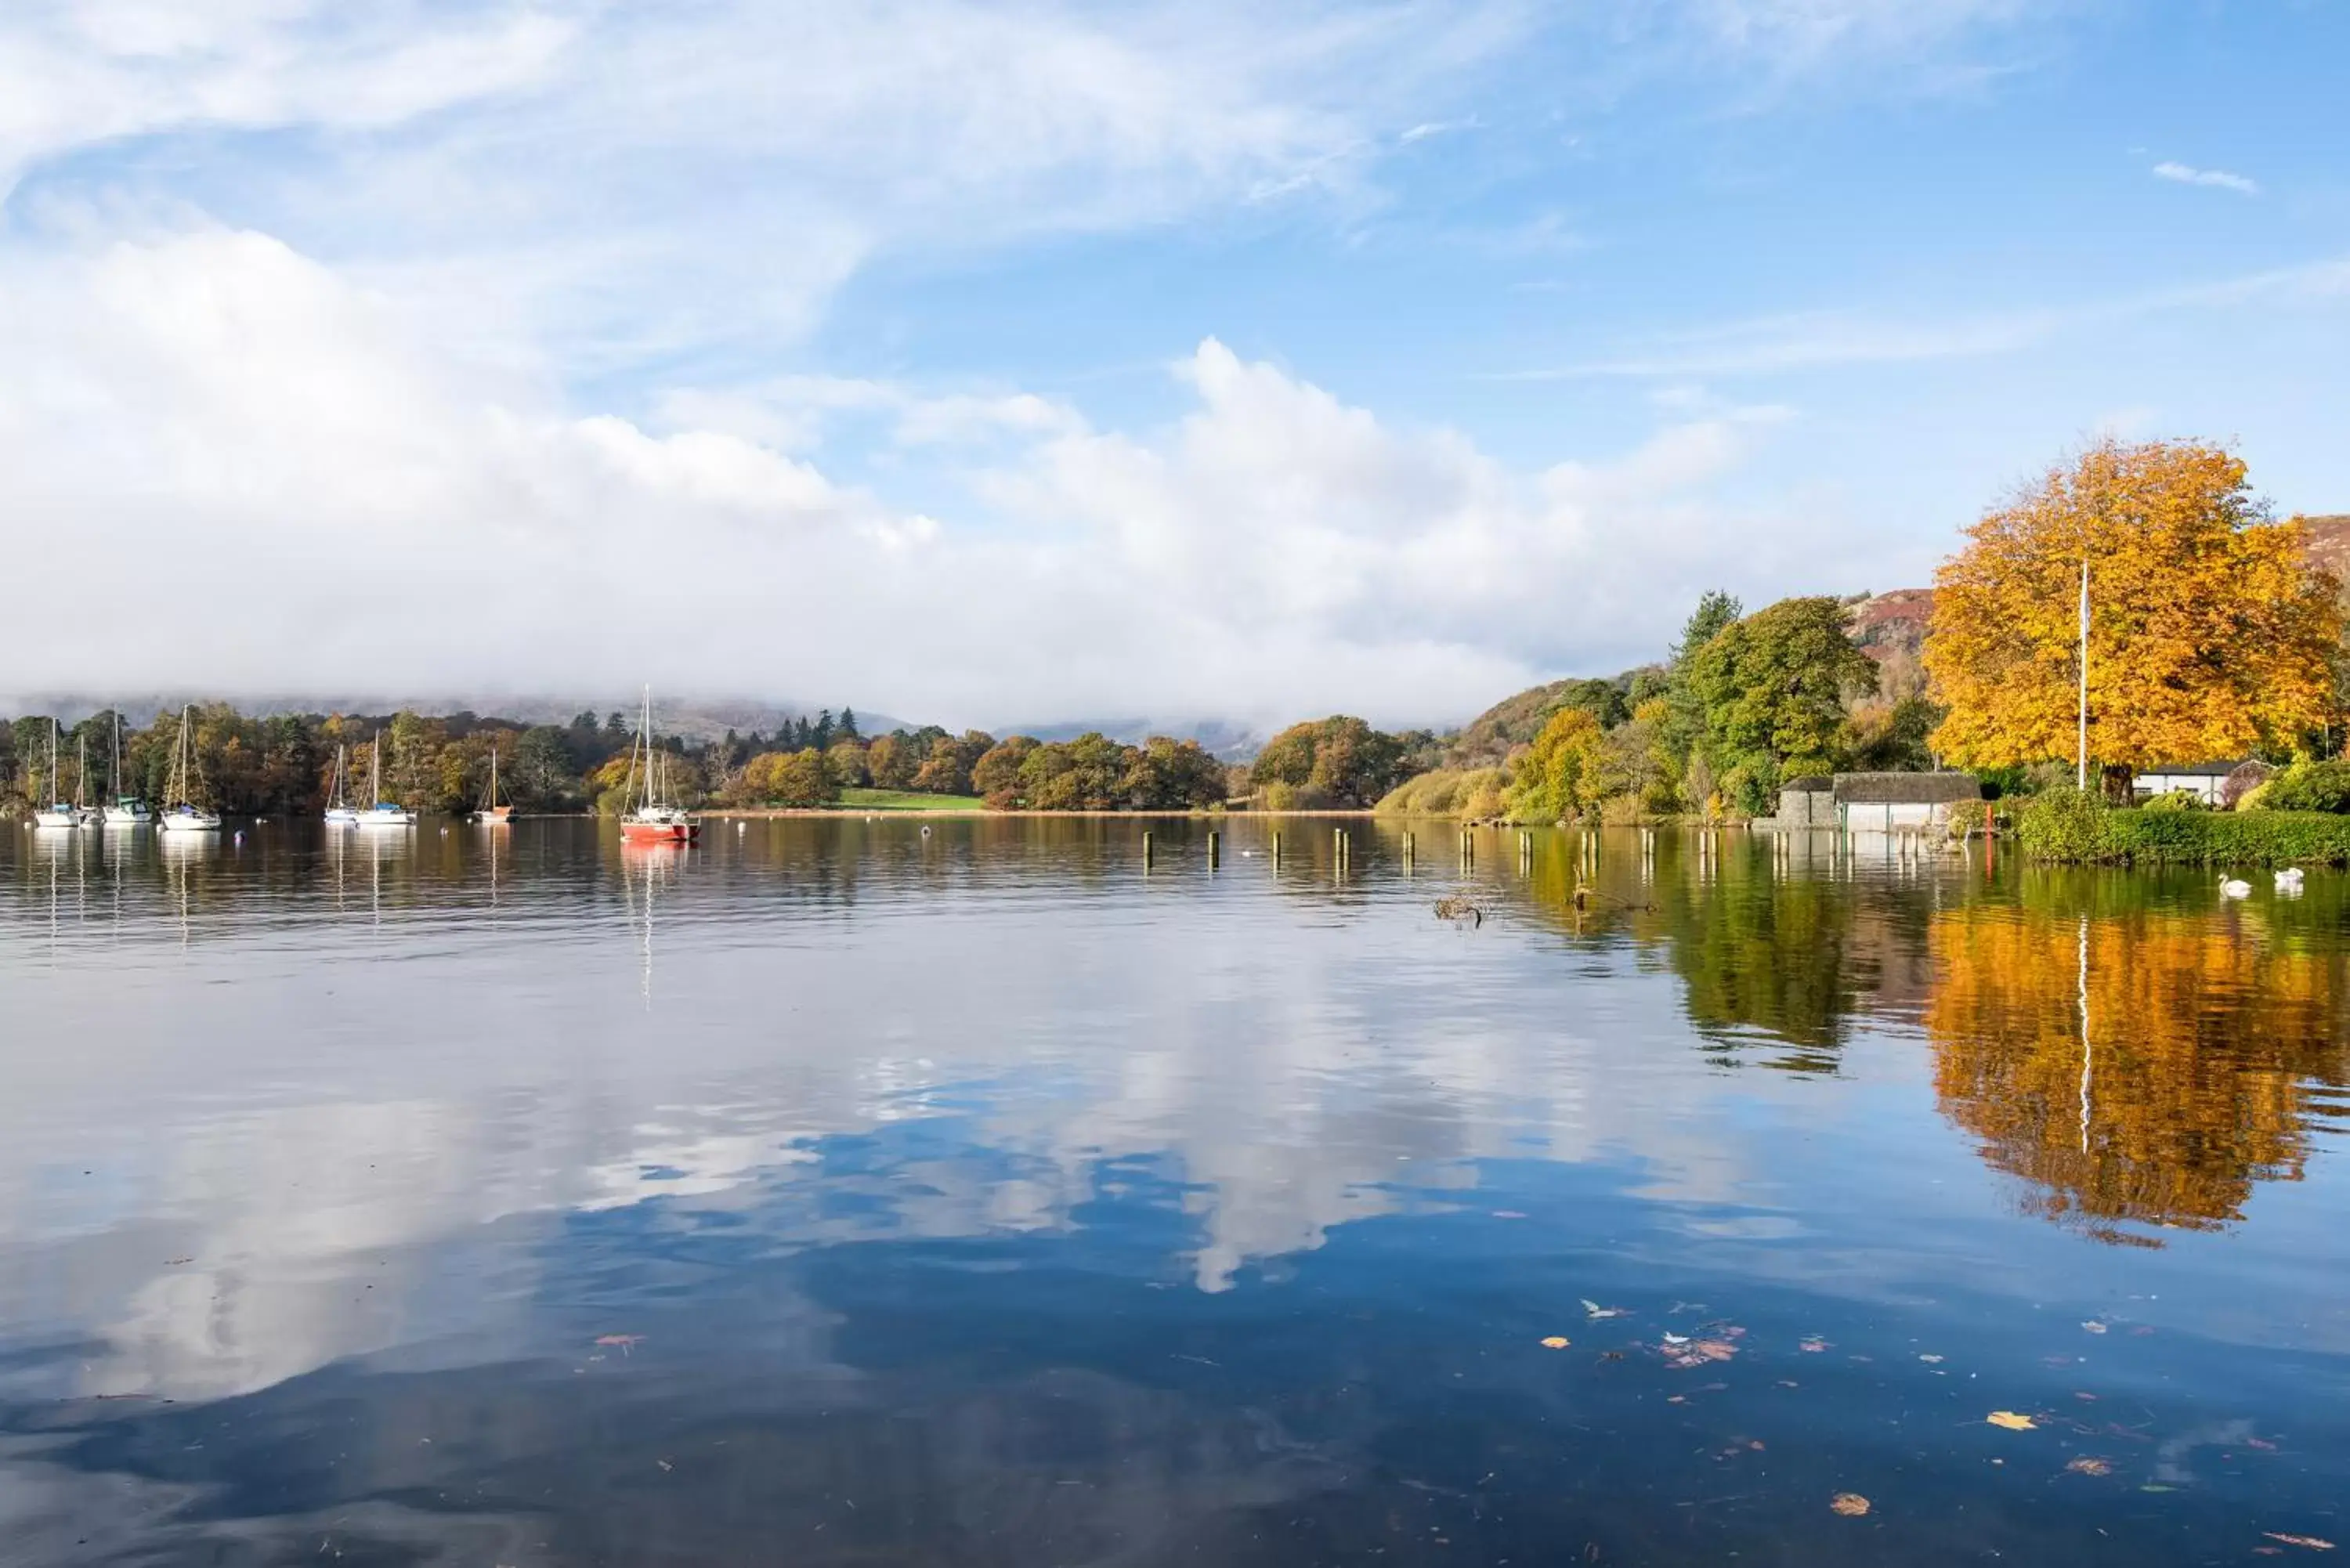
point(1145, 849)
point(1468, 851)
point(1276, 850)
point(1407, 851)
point(1215, 849)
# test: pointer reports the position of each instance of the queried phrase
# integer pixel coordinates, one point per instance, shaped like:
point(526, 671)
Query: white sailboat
point(654, 819)
point(58, 813)
point(383, 813)
point(181, 812)
point(339, 810)
point(490, 814)
point(128, 810)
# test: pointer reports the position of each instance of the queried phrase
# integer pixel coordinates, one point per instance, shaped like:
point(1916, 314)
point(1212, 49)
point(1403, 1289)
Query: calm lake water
point(837, 1194)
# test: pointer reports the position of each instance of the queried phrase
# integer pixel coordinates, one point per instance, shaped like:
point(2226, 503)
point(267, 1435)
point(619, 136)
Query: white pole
point(2081, 753)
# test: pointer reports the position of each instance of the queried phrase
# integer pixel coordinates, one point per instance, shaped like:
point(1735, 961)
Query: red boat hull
point(660, 832)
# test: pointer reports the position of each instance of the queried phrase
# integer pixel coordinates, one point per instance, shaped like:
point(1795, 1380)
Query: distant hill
point(1511, 722)
point(1881, 623)
point(1228, 742)
point(2329, 542)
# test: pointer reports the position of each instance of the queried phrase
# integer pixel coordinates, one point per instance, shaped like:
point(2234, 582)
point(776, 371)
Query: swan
point(2235, 888)
point(2289, 880)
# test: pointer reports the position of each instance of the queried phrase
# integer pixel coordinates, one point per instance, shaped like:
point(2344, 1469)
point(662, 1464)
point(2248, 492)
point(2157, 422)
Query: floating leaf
point(2011, 1420)
point(1851, 1504)
point(1596, 1311)
point(623, 1340)
point(1931, 1360)
point(2311, 1541)
point(2086, 1466)
point(2094, 1326)
point(1813, 1347)
point(1556, 1341)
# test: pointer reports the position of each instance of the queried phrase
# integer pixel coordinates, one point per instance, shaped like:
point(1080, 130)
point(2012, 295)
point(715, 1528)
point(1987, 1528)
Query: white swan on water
point(2235, 888)
point(2289, 880)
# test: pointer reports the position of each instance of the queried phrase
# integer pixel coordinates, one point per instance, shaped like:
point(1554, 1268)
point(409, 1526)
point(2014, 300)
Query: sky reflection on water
point(839, 1194)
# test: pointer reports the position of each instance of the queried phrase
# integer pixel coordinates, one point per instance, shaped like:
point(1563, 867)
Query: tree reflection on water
point(2190, 1081)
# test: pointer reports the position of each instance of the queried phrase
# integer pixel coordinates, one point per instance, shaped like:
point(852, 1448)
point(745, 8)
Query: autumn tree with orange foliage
point(2210, 632)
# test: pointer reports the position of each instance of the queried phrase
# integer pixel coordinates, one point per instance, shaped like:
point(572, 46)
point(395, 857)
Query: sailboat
point(90, 816)
point(339, 812)
point(128, 810)
point(654, 819)
point(490, 814)
point(383, 813)
point(181, 812)
point(57, 813)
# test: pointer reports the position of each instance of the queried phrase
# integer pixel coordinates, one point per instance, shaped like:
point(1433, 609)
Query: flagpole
point(2081, 752)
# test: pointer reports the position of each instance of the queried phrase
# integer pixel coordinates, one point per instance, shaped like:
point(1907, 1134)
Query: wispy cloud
point(1815, 339)
point(2217, 179)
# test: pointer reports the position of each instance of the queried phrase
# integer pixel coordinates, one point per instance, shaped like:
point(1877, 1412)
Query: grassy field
point(906, 800)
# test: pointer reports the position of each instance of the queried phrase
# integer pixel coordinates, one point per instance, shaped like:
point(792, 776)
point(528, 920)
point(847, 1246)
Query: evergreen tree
point(847, 730)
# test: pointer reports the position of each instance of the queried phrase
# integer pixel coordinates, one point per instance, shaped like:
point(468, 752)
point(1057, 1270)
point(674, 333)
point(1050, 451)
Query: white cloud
point(2217, 179)
point(321, 500)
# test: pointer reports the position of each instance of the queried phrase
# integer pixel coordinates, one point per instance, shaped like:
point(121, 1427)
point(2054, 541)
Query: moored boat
point(59, 811)
point(383, 813)
point(340, 812)
point(490, 814)
point(128, 810)
point(653, 818)
point(183, 814)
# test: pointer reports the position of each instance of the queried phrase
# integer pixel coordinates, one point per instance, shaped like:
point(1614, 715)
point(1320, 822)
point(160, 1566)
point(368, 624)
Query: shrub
point(2174, 799)
point(2067, 825)
point(1448, 791)
point(2309, 786)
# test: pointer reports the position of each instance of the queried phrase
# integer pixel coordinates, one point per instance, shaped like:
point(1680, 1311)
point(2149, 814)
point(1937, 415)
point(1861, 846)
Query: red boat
point(653, 820)
point(660, 825)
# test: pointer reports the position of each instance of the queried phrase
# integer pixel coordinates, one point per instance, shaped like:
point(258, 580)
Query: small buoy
point(742, 827)
point(926, 830)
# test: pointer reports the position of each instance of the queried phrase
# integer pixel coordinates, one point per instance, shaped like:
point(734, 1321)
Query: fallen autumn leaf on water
point(2094, 1326)
point(1596, 1311)
point(2011, 1420)
point(1555, 1342)
point(2085, 1466)
point(1851, 1504)
point(2311, 1541)
point(1814, 1345)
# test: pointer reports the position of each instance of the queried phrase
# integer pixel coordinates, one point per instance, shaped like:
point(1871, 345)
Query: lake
point(874, 1192)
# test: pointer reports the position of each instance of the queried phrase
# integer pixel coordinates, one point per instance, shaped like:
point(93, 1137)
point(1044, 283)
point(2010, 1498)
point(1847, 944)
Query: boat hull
point(385, 819)
point(194, 822)
point(56, 818)
point(660, 832)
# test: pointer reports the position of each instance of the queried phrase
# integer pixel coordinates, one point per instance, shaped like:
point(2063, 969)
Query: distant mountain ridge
point(695, 719)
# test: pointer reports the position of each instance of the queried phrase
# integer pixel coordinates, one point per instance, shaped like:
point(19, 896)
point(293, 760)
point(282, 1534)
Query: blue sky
point(1000, 362)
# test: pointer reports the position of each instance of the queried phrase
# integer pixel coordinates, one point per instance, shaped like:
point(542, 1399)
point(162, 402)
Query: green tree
point(1549, 785)
point(1684, 724)
point(996, 776)
point(1774, 686)
point(1338, 761)
point(1172, 775)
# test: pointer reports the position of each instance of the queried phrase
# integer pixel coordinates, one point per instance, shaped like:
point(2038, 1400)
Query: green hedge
point(2068, 827)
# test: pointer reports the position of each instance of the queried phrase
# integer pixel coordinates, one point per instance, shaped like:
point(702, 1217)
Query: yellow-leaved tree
point(2210, 632)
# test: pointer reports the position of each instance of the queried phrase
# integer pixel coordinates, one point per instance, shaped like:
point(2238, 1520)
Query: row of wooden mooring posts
point(1341, 850)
